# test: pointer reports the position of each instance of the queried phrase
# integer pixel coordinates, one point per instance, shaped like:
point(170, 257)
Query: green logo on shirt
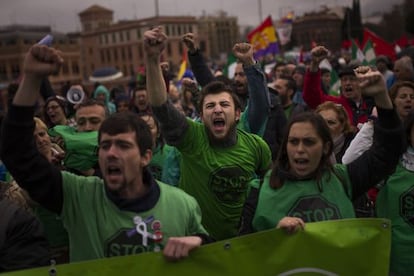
point(122, 244)
point(407, 206)
point(229, 184)
point(314, 208)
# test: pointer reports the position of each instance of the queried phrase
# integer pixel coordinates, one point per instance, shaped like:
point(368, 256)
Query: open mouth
point(113, 171)
point(408, 108)
point(348, 89)
point(219, 124)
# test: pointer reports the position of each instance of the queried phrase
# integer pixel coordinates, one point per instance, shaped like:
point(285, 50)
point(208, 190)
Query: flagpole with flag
point(369, 53)
point(264, 39)
point(357, 53)
point(183, 66)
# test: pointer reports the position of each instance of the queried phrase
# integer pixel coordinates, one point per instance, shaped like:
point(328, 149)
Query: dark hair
point(92, 102)
point(291, 83)
point(282, 160)
point(61, 102)
point(118, 123)
point(216, 87)
point(408, 125)
point(160, 139)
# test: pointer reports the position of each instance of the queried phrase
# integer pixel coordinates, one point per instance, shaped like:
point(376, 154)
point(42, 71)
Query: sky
point(62, 15)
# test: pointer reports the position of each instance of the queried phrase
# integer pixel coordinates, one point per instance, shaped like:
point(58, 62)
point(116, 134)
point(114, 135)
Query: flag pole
point(259, 3)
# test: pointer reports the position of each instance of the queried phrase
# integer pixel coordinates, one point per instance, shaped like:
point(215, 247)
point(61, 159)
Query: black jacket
point(22, 242)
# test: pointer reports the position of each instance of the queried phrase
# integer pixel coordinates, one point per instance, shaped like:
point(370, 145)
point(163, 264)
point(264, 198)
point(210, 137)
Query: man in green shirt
point(218, 159)
point(125, 212)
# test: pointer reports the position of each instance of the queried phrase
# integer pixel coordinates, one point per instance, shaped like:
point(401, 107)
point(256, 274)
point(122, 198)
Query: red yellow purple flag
point(183, 66)
point(264, 39)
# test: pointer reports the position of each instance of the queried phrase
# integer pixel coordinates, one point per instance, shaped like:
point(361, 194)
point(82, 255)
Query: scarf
point(338, 143)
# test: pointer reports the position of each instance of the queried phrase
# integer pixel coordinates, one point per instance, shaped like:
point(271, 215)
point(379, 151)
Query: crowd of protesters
point(169, 165)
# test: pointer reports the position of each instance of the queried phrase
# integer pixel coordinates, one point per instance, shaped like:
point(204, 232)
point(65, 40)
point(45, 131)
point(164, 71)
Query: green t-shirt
point(97, 228)
point(395, 201)
point(304, 200)
point(80, 147)
point(218, 177)
point(159, 156)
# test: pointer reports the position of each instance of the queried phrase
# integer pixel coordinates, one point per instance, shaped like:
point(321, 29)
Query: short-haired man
point(80, 143)
point(126, 212)
point(218, 160)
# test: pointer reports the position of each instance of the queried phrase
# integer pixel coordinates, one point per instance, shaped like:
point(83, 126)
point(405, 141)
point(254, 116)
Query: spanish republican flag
point(183, 66)
point(264, 39)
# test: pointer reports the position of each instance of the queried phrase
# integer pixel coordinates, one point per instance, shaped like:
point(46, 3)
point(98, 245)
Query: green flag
point(357, 54)
point(335, 83)
point(336, 247)
point(230, 67)
point(369, 53)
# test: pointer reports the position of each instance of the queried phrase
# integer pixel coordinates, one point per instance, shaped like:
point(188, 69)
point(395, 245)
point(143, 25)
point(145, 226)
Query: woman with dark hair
point(160, 148)
point(304, 185)
point(56, 112)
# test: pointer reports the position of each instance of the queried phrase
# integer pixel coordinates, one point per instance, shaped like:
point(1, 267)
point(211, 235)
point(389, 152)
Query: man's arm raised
point(154, 43)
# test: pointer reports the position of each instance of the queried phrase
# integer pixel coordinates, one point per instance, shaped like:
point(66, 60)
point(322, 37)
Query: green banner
point(339, 247)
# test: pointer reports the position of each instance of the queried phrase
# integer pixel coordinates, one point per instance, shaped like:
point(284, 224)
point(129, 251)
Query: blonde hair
point(341, 113)
point(39, 123)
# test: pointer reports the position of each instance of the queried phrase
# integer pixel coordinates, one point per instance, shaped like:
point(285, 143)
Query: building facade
point(323, 28)
point(15, 41)
point(105, 43)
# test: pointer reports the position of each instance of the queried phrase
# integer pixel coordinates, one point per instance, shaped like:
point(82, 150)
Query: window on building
point(108, 55)
point(3, 72)
point(127, 36)
point(123, 53)
point(11, 41)
point(180, 48)
point(113, 37)
point(121, 36)
point(15, 69)
point(138, 33)
point(140, 52)
point(115, 51)
point(129, 53)
point(65, 69)
point(75, 68)
point(102, 55)
point(106, 38)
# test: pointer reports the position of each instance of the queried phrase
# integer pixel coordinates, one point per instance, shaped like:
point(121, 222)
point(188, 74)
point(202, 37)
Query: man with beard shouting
point(218, 160)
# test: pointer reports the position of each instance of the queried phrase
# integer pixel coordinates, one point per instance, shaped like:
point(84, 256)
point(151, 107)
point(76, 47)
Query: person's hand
point(155, 41)
point(318, 54)
point(244, 53)
point(189, 84)
point(178, 247)
point(41, 61)
point(165, 66)
point(59, 141)
point(189, 39)
point(291, 224)
point(372, 82)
